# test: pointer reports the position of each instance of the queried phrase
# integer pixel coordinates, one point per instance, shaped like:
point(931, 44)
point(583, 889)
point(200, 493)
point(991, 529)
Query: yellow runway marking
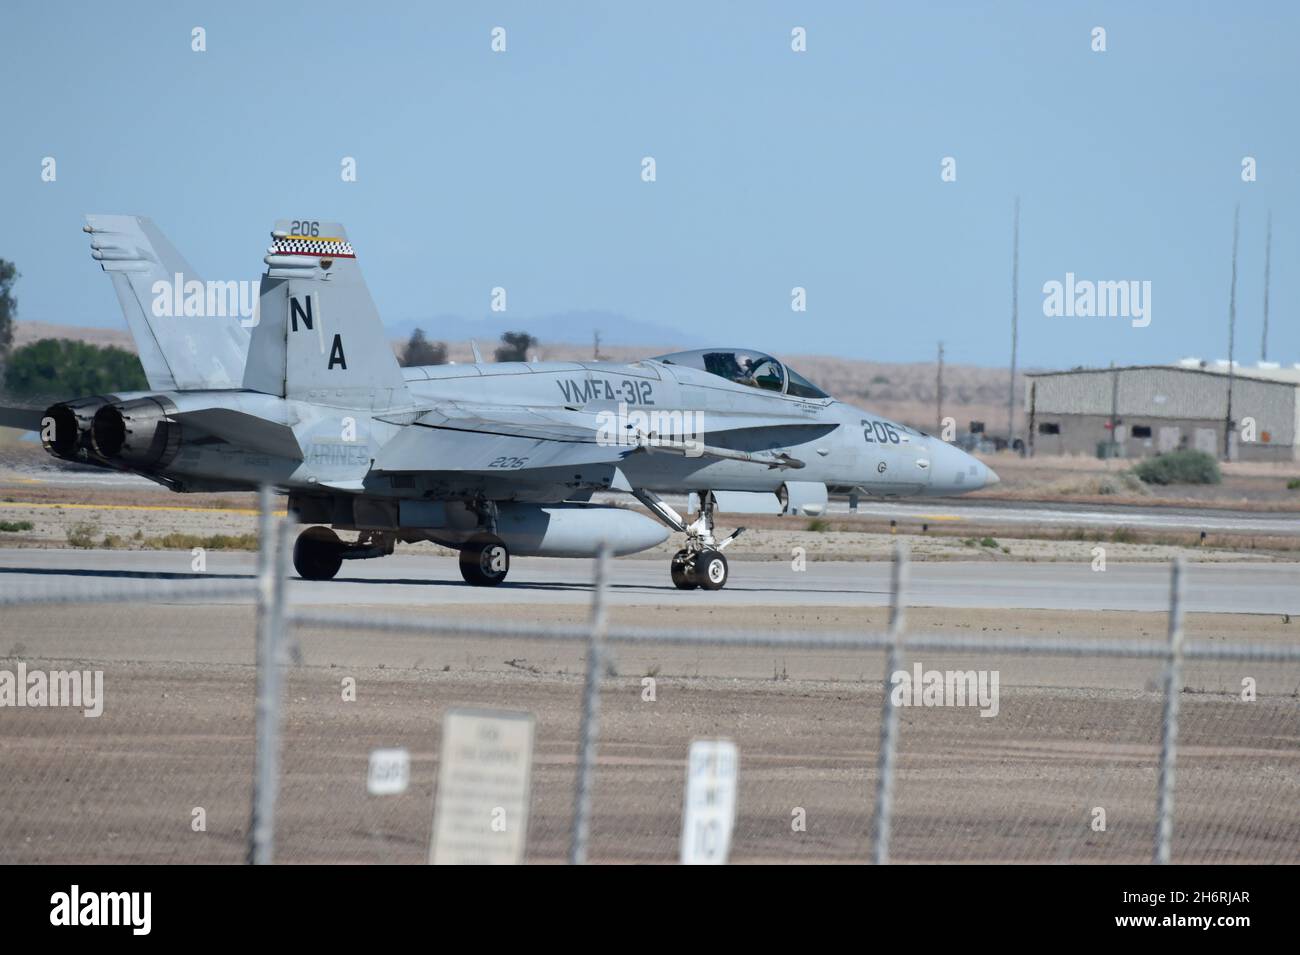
point(140, 507)
point(942, 517)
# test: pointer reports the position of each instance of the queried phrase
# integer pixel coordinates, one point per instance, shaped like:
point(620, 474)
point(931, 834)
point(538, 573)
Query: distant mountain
point(27, 332)
point(574, 328)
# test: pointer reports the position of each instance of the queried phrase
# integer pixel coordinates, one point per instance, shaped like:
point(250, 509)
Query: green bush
point(1293, 484)
point(15, 526)
point(64, 368)
point(1180, 467)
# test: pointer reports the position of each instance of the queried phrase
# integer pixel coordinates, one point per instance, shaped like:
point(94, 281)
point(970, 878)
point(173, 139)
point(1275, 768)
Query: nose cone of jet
point(953, 471)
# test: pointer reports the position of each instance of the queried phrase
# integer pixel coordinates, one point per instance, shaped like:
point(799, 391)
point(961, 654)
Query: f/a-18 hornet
point(490, 459)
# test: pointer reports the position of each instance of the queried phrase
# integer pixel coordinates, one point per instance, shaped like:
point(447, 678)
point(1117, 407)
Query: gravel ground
point(1070, 736)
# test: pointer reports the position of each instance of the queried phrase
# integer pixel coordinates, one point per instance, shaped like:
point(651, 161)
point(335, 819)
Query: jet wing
point(551, 424)
point(491, 438)
point(456, 439)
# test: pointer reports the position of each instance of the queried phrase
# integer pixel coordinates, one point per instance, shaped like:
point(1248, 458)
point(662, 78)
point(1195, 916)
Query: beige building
point(1160, 408)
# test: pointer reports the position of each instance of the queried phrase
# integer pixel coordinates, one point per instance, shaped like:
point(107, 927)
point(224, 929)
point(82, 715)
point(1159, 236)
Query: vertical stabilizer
point(319, 337)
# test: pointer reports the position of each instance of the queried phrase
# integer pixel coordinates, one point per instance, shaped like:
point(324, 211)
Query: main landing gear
point(484, 560)
point(700, 563)
point(318, 553)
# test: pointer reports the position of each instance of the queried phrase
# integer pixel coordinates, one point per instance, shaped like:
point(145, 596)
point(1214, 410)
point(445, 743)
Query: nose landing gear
point(700, 563)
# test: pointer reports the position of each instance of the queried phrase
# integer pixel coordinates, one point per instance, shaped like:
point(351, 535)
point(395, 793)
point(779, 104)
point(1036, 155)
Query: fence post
point(889, 712)
point(271, 560)
point(589, 731)
point(1169, 724)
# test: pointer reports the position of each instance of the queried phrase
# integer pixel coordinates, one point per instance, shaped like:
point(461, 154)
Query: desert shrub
point(178, 541)
point(82, 534)
point(1179, 467)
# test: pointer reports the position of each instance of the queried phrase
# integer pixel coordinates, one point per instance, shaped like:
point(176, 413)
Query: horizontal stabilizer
point(248, 431)
point(25, 419)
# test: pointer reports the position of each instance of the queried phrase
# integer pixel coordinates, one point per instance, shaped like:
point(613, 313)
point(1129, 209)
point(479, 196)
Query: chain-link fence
point(894, 746)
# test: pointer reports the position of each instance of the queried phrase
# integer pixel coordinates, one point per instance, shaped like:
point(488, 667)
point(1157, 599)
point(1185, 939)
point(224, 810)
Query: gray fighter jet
point(490, 459)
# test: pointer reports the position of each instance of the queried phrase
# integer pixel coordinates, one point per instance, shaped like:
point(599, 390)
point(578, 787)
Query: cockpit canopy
point(745, 366)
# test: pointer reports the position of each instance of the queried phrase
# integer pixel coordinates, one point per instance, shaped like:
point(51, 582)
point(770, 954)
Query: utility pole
point(1114, 411)
point(1232, 336)
point(938, 390)
point(595, 345)
point(1015, 320)
point(1268, 255)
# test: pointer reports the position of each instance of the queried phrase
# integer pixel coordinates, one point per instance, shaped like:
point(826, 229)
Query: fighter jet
point(492, 460)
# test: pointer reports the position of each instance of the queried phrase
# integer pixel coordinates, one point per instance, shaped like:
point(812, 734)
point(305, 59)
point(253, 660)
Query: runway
point(434, 580)
point(1020, 514)
point(1010, 515)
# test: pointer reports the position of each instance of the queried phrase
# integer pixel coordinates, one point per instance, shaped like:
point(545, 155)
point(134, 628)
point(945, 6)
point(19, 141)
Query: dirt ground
point(1070, 737)
point(1247, 485)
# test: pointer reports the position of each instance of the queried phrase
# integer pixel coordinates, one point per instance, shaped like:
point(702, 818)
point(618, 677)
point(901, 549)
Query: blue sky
point(775, 169)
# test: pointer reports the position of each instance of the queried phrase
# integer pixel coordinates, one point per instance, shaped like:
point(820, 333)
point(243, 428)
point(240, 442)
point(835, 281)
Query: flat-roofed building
point(1159, 408)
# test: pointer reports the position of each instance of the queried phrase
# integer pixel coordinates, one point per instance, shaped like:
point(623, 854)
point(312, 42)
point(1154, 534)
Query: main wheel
point(710, 570)
point(317, 554)
point(680, 569)
point(484, 560)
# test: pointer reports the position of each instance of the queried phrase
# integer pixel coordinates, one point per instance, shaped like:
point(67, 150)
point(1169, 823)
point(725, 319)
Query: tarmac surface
point(1107, 516)
point(434, 580)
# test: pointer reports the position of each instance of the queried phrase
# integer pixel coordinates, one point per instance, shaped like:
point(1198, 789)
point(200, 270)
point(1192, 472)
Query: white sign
point(710, 810)
point(390, 772)
point(484, 777)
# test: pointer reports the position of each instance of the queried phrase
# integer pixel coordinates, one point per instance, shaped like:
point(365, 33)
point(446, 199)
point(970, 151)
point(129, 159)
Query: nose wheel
point(705, 569)
point(484, 560)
